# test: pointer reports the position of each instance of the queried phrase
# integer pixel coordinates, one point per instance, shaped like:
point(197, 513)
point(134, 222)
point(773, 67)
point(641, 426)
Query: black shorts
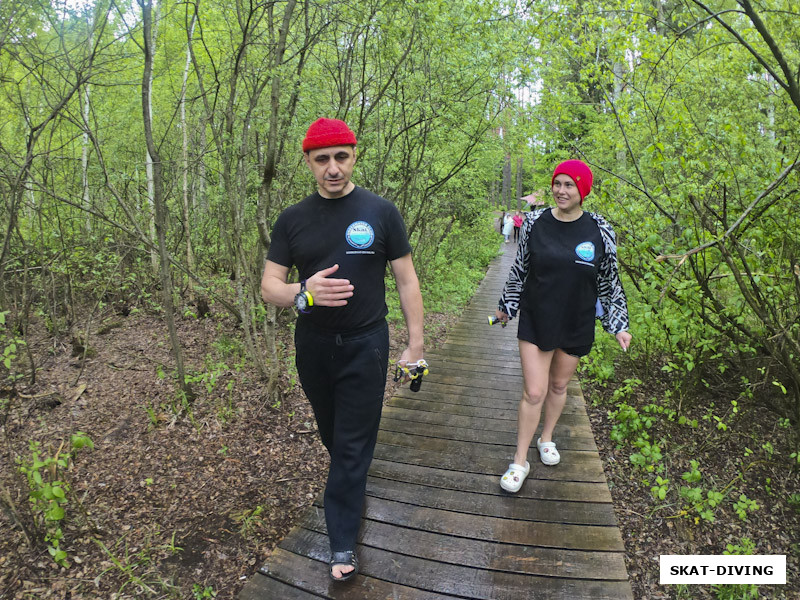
point(526, 333)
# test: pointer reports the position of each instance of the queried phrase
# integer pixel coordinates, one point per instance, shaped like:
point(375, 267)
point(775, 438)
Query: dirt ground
point(186, 500)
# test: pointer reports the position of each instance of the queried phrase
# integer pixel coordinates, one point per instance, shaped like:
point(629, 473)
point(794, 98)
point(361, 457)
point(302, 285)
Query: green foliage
point(249, 521)
point(201, 593)
point(10, 345)
point(137, 567)
point(699, 502)
point(660, 489)
point(743, 506)
point(648, 456)
point(739, 591)
point(630, 426)
point(48, 490)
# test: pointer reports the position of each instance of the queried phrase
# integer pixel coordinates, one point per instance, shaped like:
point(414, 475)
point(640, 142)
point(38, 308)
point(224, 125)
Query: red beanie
point(580, 173)
point(328, 132)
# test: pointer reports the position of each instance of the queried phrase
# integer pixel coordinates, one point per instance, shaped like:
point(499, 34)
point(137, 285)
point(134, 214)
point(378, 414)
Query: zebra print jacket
point(614, 307)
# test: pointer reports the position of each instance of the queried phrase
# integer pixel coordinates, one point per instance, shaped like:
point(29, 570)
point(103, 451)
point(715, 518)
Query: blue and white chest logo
point(585, 251)
point(360, 235)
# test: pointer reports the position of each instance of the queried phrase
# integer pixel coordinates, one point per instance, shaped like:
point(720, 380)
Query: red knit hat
point(580, 173)
point(328, 132)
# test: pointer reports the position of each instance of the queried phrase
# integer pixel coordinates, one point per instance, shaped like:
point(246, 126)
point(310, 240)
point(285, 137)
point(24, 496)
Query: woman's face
point(566, 193)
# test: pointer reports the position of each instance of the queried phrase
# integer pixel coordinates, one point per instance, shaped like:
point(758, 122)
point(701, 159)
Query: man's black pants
point(344, 377)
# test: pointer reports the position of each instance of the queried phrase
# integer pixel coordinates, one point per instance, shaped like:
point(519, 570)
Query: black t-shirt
point(360, 232)
point(560, 292)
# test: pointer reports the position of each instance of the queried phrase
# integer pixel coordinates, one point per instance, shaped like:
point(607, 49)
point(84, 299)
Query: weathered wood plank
point(522, 509)
point(571, 491)
point(480, 554)
point(572, 468)
point(454, 579)
point(533, 533)
point(263, 587)
point(573, 406)
point(307, 568)
point(568, 438)
point(493, 451)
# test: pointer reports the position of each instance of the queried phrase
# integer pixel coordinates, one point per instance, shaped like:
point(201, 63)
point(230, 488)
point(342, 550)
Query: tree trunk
point(187, 223)
point(158, 198)
point(507, 182)
point(87, 203)
point(151, 192)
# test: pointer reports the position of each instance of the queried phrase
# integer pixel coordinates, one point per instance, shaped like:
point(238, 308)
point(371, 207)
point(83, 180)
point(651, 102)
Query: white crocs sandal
point(548, 453)
point(513, 478)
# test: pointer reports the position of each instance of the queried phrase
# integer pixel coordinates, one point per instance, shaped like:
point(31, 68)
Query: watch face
point(301, 302)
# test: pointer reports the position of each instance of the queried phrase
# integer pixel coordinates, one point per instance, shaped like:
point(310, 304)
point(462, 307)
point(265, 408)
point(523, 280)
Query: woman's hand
point(624, 338)
point(501, 316)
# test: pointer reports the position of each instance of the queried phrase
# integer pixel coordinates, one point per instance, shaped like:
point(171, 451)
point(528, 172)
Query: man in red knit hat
point(340, 239)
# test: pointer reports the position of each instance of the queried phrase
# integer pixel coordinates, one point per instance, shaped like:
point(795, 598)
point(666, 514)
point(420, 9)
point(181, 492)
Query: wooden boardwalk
point(437, 524)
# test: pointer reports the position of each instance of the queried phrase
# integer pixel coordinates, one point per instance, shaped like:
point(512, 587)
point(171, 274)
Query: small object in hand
point(415, 371)
point(494, 321)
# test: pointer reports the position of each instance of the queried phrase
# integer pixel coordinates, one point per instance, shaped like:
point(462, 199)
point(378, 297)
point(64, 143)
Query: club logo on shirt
point(585, 251)
point(360, 235)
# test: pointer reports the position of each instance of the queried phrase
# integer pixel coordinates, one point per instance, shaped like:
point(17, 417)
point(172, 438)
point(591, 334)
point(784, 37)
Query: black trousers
point(344, 377)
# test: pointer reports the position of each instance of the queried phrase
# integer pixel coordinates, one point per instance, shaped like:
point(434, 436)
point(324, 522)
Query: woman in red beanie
point(565, 274)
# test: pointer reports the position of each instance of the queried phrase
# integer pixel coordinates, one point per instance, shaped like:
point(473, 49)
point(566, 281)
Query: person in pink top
point(517, 224)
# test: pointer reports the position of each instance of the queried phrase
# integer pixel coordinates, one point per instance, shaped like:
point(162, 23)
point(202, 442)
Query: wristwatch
point(304, 300)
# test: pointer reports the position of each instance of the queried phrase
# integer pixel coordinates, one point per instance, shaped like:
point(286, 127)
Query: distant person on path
point(340, 239)
point(564, 275)
point(508, 226)
point(517, 218)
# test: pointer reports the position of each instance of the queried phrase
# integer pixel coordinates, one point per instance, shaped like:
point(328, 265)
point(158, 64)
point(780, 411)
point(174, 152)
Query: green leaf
point(56, 513)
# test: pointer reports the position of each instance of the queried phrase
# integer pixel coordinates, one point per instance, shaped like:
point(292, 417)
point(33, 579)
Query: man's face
point(332, 168)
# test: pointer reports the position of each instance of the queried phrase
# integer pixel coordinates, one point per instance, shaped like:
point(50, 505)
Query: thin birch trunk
point(151, 191)
point(187, 223)
point(158, 198)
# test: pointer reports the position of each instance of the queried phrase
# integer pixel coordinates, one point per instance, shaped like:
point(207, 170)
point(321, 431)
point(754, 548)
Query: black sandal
point(348, 557)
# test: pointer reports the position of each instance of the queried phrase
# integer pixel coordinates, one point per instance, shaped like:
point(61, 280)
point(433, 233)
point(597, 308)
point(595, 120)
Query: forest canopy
point(147, 148)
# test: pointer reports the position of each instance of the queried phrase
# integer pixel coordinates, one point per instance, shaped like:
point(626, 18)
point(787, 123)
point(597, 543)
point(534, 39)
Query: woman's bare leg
point(535, 371)
point(562, 368)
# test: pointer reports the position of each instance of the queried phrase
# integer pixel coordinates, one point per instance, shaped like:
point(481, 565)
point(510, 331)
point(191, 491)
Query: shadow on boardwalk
point(437, 524)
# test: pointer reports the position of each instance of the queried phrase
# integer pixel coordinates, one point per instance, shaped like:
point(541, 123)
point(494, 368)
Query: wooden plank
point(479, 554)
point(444, 578)
point(418, 403)
point(574, 405)
point(486, 396)
point(306, 567)
point(526, 509)
point(470, 450)
point(566, 536)
point(477, 362)
point(573, 466)
point(470, 377)
point(490, 484)
point(263, 587)
point(566, 438)
point(463, 422)
point(433, 386)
